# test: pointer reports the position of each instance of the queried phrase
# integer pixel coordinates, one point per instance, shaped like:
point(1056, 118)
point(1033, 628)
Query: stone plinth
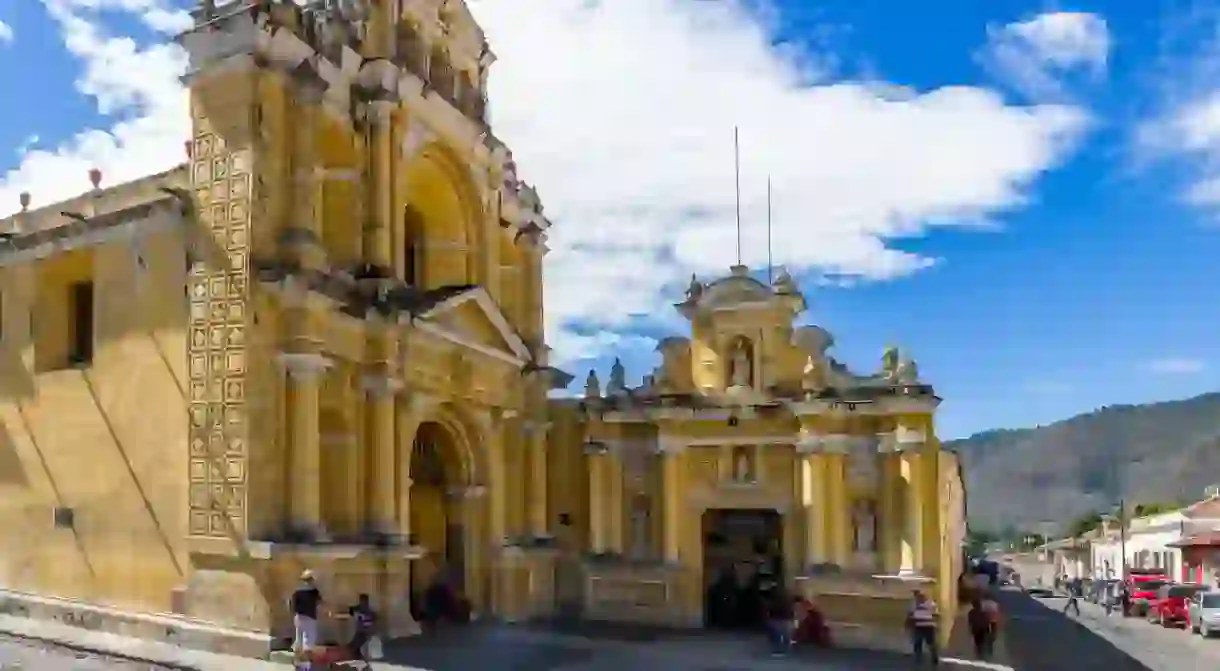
point(865, 611)
point(638, 593)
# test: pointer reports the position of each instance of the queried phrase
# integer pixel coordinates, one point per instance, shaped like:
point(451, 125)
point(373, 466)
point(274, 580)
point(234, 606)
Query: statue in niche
point(593, 386)
point(864, 525)
point(741, 363)
point(618, 379)
point(743, 465)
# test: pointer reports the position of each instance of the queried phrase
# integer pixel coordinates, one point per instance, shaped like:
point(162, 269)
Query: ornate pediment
point(472, 319)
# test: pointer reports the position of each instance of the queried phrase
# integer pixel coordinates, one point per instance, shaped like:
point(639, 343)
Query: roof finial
point(95, 178)
point(24, 198)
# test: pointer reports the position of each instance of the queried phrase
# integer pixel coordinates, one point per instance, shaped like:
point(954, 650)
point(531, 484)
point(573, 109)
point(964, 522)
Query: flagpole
point(770, 263)
point(737, 187)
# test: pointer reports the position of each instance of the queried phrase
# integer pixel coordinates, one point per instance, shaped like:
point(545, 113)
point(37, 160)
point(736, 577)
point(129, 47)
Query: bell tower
point(740, 327)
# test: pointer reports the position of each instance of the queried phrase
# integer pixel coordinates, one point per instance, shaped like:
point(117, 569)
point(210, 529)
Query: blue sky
point(1022, 194)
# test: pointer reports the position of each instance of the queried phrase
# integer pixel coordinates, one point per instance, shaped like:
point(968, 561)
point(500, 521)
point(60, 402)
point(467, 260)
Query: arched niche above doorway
point(441, 228)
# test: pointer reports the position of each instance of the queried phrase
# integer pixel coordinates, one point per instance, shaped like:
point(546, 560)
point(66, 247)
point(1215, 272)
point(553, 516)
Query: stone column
point(382, 514)
point(811, 488)
point(910, 439)
point(537, 516)
point(837, 501)
point(891, 504)
point(304, 442)
point(378, 233)
point(673, 494)
point(597, 456)
point(303, 238)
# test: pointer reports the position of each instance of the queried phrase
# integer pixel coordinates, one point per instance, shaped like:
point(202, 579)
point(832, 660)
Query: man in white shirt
point(921, 620)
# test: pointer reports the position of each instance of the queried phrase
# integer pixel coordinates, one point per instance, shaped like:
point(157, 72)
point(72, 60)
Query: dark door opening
point(743, 563)
point(80, 299)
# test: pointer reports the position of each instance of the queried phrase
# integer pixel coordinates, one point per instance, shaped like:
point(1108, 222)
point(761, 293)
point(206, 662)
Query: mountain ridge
point(1162, 452)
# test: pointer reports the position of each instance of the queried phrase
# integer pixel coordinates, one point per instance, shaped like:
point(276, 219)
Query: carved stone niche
point(862, 470)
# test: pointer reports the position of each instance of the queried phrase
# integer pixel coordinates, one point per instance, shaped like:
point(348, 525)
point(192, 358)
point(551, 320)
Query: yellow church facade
point(750, 443)
point(319, 344)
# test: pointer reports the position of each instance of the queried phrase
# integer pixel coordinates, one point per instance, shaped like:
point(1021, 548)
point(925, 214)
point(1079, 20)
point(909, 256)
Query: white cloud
point(6, 33)
point(140, 86)
point(622, 113)
point(1176, 366)
point(1035, 56)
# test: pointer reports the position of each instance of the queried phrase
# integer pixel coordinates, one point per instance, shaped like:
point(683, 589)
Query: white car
point(1204, 613)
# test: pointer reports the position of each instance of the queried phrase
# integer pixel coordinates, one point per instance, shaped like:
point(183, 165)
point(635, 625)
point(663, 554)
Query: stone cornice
point(894, 405)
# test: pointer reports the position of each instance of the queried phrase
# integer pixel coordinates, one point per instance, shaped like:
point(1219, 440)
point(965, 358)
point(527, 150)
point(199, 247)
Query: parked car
point(1040, 592)
point(1142, 585)
point(1169, 607)
point(1203, 613)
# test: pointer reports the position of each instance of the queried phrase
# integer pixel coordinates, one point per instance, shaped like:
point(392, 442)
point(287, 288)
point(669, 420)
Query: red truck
point(1142, 585)
point(1169, 606)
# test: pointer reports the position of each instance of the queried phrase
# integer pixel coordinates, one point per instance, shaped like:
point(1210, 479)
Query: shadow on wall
point(12, 471)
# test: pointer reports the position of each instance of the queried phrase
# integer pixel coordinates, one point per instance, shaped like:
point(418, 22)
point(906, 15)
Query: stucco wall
point(107, 440)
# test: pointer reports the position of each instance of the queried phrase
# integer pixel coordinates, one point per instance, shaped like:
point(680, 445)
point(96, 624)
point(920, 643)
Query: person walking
point(921, 623)
point(305, 603)
point(1074, 589)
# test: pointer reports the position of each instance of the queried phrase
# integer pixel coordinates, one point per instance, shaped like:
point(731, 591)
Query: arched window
point(413, 258)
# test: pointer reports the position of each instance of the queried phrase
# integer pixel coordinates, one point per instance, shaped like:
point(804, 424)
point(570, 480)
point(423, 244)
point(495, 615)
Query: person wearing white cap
point(306, 601)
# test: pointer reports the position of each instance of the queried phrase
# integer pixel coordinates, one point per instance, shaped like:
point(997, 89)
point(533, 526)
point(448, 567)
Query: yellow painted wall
point(107, 440)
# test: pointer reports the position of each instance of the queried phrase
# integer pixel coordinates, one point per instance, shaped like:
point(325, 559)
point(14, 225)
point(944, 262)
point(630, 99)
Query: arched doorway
point(438, 479)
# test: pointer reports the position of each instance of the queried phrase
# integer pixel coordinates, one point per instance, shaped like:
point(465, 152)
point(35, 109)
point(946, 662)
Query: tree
point(1144, 509)
point(1085, 523)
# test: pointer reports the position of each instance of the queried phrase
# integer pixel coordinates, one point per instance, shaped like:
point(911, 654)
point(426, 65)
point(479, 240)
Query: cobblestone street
point(29, 655)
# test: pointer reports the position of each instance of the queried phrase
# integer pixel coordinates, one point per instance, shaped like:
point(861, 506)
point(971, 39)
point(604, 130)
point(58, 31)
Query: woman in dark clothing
point(982, 628)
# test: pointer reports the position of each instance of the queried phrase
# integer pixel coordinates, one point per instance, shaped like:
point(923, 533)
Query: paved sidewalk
point(140, 650)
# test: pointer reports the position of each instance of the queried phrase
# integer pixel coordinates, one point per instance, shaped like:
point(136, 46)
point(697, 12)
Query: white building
point(1153, 542)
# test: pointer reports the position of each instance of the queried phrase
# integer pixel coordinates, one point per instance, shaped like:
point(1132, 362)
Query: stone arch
point(444, 467)
point(441, 222)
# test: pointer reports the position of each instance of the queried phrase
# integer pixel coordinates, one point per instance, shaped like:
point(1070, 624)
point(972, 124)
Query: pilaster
point(910, 439)
point(304, 444)
point(891, 504)
point(811, 476)
point(837, 501)
point(303, 235)
point(596, 459)
point(615, 503)
point(378, 239)
point(537, 516)
point(673, 484)
point(383, 513)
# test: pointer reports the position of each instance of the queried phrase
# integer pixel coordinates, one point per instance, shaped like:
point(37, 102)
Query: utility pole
point(1122, 537)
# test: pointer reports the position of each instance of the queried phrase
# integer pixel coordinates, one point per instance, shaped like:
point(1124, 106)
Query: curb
point(99, 651)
